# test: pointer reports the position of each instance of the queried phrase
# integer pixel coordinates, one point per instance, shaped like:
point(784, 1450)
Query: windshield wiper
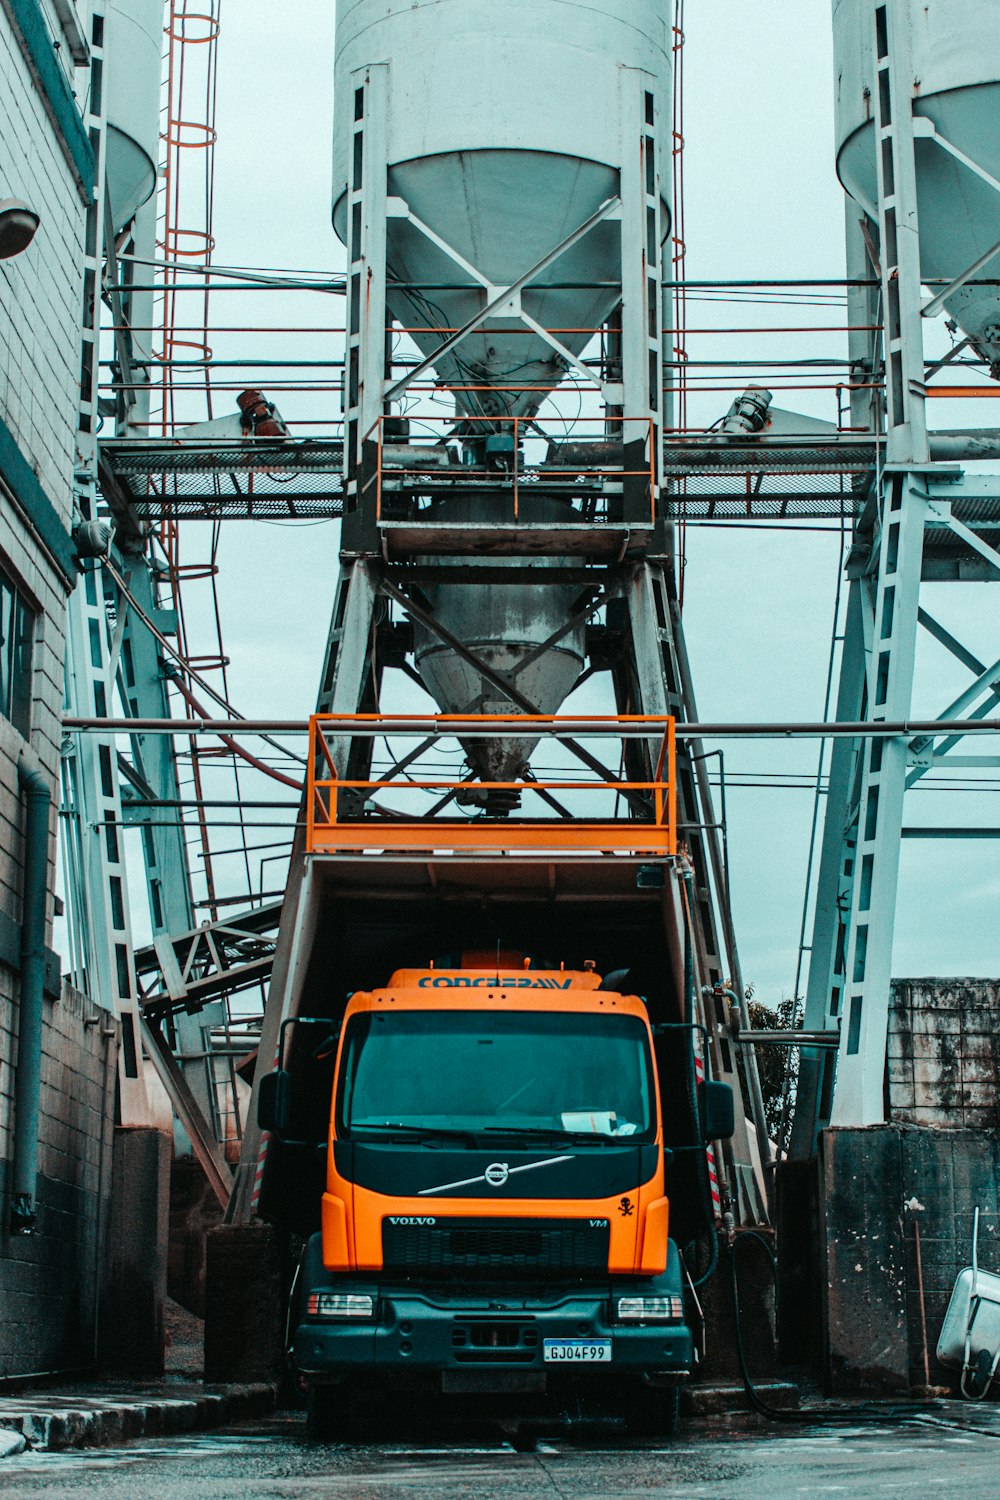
point(553, 1133)
point(415, 1132)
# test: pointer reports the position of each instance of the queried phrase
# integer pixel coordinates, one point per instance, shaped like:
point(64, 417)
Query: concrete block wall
point(41, 290)
point(944, 1053)
point(882, 1190)
point(50, 1281)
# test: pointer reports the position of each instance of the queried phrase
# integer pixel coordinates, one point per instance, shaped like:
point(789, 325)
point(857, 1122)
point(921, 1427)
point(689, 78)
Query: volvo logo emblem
point(496, 1175)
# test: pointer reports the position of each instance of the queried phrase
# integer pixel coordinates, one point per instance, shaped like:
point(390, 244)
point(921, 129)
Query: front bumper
point(426, 1332)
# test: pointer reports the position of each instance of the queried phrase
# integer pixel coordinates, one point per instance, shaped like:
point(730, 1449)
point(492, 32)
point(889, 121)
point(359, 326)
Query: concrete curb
point(730, 1399)
point(76, 1420)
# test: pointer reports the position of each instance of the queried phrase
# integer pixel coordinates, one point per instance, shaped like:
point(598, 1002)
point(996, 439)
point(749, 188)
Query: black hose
point(808, 1416)
point(713, 1263)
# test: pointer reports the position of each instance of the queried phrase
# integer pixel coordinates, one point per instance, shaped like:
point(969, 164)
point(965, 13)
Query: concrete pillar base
point(246, 1292)
point(132, 1340)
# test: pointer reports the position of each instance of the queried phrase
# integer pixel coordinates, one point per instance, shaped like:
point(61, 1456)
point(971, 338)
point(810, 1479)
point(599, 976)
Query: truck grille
point(498, 1246)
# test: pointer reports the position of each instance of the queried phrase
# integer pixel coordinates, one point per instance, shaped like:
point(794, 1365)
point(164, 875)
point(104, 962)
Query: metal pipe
point(740, 1012)
point(468, 728)
point(28, 1078)
point(967, 446)
point(958, 445)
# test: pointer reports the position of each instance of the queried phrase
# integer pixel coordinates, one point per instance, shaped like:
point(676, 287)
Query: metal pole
point(28, 1077)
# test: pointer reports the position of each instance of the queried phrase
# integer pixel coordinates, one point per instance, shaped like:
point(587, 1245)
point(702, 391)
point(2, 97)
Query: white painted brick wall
point(40, 318)
point(41, 290)
point(47, 1282)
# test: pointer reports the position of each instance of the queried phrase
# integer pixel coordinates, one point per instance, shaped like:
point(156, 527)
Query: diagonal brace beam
point(504, 685)
point(945, 638)
point(502, 301)
point(936, 304)
point(941, 752)
point(566, 354)
point(206, 1148)
point(398, 208)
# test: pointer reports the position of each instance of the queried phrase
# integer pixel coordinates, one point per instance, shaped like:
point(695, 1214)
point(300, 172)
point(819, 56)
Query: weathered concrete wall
point(49, 1280)
point(877, 1188)
point(132, 1338)
point(944, 1052)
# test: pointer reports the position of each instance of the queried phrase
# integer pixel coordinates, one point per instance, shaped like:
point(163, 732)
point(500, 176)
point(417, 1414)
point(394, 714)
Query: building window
point(16, 630)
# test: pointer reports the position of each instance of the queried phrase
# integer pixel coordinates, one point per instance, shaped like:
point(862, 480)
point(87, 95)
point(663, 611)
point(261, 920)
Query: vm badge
point(496, 1174)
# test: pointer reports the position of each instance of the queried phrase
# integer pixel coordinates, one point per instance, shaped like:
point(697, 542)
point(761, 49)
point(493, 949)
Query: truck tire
point(652, 1411)
point(332, 1415)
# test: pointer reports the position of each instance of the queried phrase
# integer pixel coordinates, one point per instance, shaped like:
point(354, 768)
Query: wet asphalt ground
point(273, 1459)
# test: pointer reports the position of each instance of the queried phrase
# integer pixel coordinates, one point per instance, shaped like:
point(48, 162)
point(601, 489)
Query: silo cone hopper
point(501, 625)
point(503, 211)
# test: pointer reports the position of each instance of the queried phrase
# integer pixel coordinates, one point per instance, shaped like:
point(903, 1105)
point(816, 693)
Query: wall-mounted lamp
point(18, 227)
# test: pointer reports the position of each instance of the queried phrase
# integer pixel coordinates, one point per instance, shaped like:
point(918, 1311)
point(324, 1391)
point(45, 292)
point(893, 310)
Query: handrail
point(512, 479)
point(335, 824)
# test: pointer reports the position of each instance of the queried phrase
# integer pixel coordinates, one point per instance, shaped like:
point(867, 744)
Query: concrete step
point(101, 1416)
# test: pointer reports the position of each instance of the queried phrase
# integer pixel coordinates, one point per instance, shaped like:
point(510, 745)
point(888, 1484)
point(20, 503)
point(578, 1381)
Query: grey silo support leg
point(897, 555)
point(824, 991)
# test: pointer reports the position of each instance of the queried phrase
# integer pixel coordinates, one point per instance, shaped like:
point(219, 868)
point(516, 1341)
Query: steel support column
point(895, 563)
point(824, 991)
point(825, 986)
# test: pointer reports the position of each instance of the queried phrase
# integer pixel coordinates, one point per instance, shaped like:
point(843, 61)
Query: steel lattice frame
point(914, 507)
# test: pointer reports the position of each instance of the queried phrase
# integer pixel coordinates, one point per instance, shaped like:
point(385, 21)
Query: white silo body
point(956, 65)
point(133, 68)
point(505, 129)
point(504, 135)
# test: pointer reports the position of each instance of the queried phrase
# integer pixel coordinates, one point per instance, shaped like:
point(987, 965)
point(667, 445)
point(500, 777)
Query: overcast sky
point(762, 200)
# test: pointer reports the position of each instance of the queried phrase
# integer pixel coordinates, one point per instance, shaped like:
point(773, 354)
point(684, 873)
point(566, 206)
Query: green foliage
point(777, 1067)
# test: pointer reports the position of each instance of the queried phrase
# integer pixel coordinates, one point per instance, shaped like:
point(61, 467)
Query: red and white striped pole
point(713, 1173)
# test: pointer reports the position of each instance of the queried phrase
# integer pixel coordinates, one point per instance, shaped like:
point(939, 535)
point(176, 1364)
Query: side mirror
point(274, 1102)
point(718, 1111)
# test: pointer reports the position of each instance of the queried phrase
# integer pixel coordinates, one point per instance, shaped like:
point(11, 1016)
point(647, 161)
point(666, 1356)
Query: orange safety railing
point(523, 473)
point(641, 819)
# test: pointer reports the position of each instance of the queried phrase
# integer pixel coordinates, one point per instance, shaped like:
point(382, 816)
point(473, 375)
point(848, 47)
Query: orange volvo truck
point(494, 1214)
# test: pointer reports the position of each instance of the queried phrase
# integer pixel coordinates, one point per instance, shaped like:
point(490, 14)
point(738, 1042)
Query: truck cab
point(494, 1216)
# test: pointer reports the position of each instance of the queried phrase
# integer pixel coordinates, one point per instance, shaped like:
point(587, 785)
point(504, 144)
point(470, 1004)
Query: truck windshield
point(479, 1072)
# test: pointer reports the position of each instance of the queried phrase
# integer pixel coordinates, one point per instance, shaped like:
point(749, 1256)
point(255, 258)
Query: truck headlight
point(650, 1309)
point(340, 1305)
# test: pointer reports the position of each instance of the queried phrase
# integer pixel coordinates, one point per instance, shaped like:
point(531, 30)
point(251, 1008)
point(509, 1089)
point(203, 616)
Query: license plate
point(577, 1351)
